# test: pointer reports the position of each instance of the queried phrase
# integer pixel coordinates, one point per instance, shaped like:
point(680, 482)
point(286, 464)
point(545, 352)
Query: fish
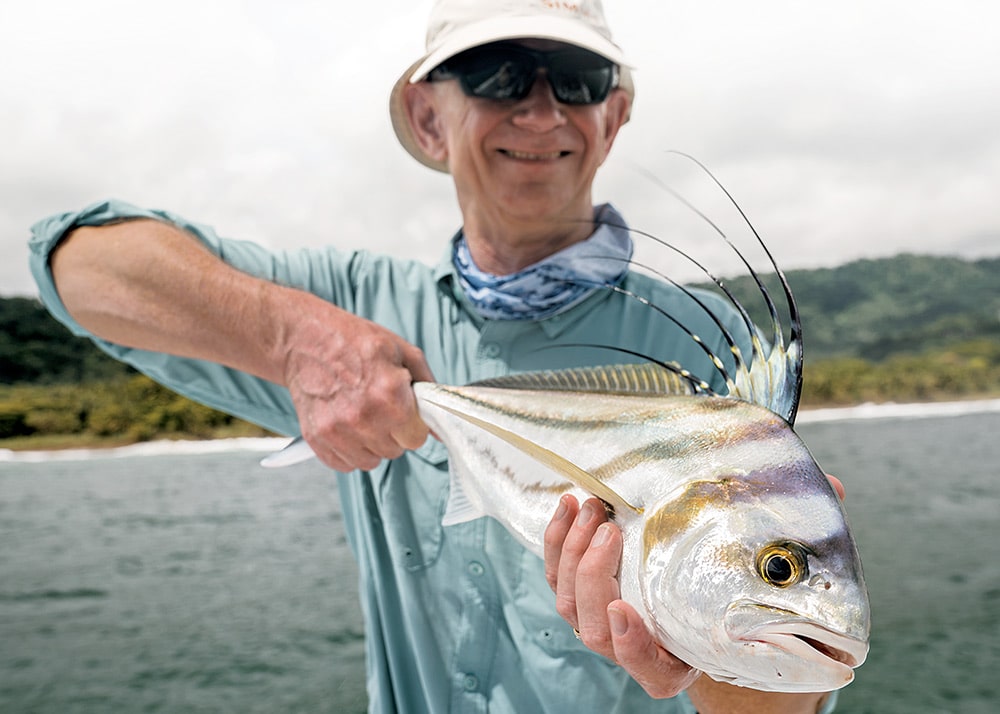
point(737, 551)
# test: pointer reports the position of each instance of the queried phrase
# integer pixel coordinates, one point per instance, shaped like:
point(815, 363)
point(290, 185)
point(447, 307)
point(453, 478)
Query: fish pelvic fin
point(462, 510)
point(650, 379)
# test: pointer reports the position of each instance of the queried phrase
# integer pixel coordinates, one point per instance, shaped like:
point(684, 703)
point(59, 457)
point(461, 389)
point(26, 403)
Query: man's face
point(530, 159)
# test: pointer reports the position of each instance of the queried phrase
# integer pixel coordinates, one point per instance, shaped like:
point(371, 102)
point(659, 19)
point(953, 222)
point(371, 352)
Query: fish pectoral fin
point(460, 509)
point(551, 459)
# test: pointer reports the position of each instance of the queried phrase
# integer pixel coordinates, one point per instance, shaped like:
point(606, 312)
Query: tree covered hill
point(874, 309)
point(868, 309)
point(36, 349)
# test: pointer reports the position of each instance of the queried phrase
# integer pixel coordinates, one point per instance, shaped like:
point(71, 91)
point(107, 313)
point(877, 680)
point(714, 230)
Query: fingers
point(582, 557)
point(413, 360)
point(582, 554)
point(597, 578)
point(555, 534)
point(659, 672)
point(838, 486)
point(574, 546)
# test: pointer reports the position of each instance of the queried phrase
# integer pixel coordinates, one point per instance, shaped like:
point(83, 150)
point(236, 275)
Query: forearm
point(711, 697)
point(150, 285)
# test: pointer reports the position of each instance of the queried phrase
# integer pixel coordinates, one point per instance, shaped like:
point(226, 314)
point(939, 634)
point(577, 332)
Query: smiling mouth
point(526, 156)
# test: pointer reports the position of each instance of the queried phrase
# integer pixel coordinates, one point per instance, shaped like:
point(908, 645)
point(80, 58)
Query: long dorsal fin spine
point(792, 354)
point(742, 382)
point(726, 334)
point(745, 317)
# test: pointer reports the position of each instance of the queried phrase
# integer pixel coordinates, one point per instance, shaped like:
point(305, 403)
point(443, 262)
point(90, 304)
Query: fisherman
point(520, 101)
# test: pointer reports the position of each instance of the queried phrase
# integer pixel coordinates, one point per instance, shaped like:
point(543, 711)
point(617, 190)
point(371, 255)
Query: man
point(520, 102)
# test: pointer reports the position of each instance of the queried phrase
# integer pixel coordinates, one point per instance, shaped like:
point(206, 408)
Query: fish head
point(753, 577)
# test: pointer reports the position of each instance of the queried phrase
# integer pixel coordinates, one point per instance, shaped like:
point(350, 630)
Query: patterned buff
point(552, 285)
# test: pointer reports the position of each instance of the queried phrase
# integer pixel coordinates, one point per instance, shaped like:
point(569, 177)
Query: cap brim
point(544, 28)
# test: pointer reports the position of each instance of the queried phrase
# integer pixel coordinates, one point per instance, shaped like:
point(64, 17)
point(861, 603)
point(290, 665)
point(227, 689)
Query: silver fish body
point(736, 551)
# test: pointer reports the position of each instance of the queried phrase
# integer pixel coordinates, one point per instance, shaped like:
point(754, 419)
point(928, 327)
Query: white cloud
point(847, 130)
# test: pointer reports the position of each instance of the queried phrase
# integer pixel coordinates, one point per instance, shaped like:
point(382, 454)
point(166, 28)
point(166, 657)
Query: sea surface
point(185, 578)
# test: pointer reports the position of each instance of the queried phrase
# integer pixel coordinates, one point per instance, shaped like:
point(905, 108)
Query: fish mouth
point(811, 642)
point(799, 637)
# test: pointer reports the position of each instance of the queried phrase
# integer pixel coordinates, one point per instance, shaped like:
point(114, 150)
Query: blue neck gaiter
point(552, 285)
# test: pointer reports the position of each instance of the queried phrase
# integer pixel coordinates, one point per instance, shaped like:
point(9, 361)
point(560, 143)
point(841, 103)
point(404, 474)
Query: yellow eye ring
point(782, 564)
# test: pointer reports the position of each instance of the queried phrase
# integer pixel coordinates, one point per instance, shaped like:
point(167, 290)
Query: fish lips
point(829, 657)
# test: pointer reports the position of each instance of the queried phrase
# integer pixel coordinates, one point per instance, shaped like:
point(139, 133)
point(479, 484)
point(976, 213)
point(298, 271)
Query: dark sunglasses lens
point(579, 77)
point(501, 71)
point(494, 72)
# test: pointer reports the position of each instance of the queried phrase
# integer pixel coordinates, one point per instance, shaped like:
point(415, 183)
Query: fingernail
point(561, 511)
point(602, 536)
point(618, 621)
point(586, 513)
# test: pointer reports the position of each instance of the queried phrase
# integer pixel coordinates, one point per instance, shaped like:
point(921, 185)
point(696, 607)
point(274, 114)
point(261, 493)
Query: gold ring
point(577, 633)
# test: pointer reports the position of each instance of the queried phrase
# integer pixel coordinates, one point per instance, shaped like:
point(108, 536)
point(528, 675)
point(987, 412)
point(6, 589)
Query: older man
point(520, 101)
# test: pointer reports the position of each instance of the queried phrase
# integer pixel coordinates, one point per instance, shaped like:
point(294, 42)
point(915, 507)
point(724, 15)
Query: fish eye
point(782, 564)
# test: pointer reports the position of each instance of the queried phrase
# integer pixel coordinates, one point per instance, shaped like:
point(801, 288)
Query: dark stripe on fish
point(727, 492)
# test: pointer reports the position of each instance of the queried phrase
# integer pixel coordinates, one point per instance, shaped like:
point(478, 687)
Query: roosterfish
point(736, 548)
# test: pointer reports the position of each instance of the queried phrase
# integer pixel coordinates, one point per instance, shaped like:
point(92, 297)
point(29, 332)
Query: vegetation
point(909, 328)
point(119, 411)
point(876, 309)
point(963, 371)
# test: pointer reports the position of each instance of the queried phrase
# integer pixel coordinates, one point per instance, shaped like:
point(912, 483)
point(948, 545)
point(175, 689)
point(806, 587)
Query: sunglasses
point(506, 70)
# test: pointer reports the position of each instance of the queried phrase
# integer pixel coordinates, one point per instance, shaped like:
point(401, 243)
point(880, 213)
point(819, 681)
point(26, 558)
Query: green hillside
point(874, 309)
point(908, 328)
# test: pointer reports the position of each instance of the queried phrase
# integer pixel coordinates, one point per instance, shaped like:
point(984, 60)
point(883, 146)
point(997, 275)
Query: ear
point(617, 107)
point(422, 112)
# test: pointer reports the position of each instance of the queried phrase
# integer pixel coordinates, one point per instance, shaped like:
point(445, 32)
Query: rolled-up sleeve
point(234, 392)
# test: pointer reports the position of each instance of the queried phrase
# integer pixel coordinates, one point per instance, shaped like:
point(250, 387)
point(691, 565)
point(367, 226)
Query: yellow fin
point(551, 459)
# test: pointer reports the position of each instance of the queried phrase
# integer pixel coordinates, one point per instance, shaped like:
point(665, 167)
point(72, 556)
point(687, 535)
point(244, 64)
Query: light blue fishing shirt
point(461, 618)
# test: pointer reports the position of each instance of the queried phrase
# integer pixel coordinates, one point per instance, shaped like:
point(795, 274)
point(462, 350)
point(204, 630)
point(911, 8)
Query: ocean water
point(156, 581)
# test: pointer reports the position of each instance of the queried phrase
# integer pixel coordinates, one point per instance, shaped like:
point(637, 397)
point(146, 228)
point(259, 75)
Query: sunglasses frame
point(564, 72)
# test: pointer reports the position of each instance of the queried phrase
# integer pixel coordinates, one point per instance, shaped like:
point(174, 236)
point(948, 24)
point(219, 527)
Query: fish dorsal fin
point(551, 459)
point(649, 379)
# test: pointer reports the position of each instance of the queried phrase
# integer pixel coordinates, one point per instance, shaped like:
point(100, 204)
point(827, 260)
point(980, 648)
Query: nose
point(539, 111)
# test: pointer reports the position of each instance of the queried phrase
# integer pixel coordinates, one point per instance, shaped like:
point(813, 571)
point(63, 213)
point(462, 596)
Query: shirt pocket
point(413, 495)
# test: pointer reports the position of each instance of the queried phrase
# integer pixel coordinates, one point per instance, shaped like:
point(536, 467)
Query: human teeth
point(533, 157)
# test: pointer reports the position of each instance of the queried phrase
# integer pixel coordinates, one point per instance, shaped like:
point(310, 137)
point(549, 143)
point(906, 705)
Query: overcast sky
point(859, 128)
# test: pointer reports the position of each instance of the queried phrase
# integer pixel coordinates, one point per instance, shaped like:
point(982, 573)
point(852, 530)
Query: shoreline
point(267, 444)
point(899, 410)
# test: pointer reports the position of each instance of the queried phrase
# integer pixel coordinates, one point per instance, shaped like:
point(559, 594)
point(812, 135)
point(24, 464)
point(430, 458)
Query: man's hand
point(351, 382)
point(582, 556)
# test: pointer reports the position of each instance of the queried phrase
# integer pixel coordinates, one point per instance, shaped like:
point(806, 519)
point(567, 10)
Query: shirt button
point(491, 349)
point(475, 568)
point(470, 682)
